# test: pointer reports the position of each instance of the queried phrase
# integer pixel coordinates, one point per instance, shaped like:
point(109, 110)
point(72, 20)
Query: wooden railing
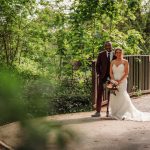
point(138, 79)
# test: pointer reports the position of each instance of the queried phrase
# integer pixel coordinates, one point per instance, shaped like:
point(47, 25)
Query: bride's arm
point(111, 71)
point(126, 70)
point(112, 74)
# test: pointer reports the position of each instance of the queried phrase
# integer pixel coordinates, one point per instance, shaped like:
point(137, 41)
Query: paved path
point(99, 133)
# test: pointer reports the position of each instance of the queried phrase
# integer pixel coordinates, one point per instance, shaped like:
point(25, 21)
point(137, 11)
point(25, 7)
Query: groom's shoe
point(97, 114)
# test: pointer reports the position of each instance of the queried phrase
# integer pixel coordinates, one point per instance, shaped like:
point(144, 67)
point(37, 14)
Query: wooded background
point(56, 41)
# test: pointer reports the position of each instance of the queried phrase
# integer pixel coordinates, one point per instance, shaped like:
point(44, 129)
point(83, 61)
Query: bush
point(71, 103)
point(43, 98)
point(37, 97)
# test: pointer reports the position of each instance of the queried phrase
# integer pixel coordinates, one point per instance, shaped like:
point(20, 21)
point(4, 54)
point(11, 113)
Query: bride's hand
point(118, 82)
point(114, 82)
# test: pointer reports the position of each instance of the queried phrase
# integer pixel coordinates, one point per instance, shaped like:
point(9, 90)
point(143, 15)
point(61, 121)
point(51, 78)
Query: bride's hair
point(120, 49)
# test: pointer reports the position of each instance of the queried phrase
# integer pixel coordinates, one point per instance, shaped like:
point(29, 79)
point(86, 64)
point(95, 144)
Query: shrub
point(71, 103)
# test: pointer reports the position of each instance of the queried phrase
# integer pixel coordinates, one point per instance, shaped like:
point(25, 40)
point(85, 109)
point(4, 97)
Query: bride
point(121, 106)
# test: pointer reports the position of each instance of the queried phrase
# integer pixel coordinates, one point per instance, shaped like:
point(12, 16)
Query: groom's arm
point(98, 64)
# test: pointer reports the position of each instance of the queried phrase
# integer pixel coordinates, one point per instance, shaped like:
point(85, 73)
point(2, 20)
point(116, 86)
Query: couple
point(111, 65)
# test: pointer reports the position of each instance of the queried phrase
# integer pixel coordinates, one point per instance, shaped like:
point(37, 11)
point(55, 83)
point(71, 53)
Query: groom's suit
point(102, 69)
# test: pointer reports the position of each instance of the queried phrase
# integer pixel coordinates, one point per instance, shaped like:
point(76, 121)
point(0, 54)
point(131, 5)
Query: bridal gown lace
point(121, 106)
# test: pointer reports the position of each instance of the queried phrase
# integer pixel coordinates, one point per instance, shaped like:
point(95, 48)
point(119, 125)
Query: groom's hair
point(107, 42)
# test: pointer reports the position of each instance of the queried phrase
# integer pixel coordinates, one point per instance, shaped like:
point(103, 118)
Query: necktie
point(108, 56)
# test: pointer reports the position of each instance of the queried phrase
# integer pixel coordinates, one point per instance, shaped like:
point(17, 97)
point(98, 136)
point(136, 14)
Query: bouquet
point(112, 86)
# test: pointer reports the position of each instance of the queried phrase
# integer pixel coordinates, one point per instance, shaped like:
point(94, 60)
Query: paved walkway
point(99, 133)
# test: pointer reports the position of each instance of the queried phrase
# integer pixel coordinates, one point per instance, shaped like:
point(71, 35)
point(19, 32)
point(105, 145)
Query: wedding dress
point(121, 106)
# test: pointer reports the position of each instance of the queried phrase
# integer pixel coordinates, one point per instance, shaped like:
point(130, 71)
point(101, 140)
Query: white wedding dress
point(121, 106)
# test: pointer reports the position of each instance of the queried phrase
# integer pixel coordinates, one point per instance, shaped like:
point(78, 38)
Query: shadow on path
point(84, 120)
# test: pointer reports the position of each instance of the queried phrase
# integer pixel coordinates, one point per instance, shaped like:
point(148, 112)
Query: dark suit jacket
point(103, 66)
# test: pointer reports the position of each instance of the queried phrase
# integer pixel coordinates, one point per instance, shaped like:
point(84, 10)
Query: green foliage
point(10, 98)
point(71, 103)
point(36, 133)
point(72, 97)
point(38, 94)
point(111, 16)
point(13, 17)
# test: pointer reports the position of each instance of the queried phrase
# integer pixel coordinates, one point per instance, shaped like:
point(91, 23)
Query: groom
point(102, 69)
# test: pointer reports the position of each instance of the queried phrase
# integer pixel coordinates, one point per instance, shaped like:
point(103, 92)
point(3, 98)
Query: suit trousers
point(100, 92)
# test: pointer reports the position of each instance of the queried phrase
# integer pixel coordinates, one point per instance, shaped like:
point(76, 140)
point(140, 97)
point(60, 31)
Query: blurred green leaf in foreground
point(37, 134)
